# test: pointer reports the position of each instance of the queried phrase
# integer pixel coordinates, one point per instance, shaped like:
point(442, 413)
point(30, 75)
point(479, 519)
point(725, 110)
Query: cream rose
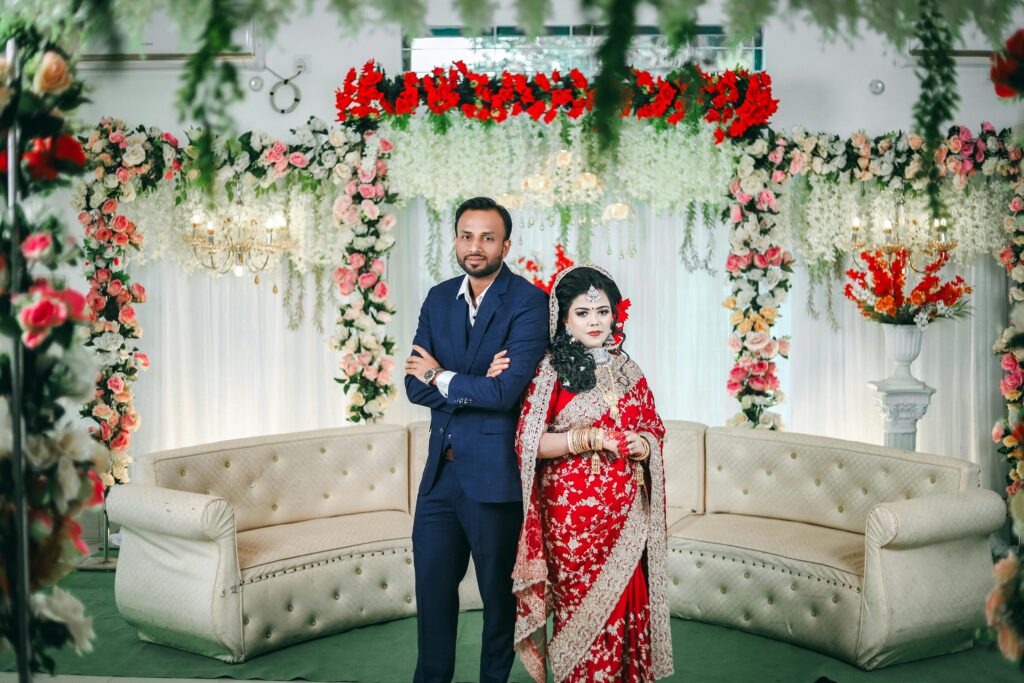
point(53, 77)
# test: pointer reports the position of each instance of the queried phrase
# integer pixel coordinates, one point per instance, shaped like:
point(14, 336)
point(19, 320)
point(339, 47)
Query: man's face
point(480, 244)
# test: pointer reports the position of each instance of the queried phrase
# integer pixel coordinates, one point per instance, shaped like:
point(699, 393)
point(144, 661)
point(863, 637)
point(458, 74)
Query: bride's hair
point(574, 365)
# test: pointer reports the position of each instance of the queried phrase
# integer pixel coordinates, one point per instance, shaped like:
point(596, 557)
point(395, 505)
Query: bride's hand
point(613, 443)
point(499, 364)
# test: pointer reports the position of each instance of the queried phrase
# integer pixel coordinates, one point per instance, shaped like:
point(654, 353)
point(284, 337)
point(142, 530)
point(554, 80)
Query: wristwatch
point(430, 374)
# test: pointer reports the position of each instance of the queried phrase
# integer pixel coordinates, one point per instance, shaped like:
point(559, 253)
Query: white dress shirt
point(445, 378)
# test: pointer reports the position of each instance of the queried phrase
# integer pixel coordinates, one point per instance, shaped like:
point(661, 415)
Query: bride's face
point(590, 322)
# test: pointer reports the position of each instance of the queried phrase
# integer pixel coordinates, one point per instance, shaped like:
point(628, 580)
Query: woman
point(592, 548)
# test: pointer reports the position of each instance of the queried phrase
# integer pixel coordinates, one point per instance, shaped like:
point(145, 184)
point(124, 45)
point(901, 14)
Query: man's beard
point(484, 270)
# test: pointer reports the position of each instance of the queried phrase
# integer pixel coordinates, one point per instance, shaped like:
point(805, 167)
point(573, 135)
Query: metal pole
point(23, 642)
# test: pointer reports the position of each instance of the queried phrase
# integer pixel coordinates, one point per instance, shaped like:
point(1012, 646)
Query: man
point(470, 498)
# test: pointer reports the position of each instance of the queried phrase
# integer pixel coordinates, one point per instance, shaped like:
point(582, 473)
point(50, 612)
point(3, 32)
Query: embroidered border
point(657, 566)
point(573, 642)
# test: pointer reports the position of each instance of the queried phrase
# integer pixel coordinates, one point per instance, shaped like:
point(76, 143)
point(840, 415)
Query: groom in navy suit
point(470, 499)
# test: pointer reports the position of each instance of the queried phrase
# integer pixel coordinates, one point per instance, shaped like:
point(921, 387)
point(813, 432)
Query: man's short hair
point(485, 204)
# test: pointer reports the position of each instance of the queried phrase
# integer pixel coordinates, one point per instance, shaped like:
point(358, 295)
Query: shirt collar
point(464, 290)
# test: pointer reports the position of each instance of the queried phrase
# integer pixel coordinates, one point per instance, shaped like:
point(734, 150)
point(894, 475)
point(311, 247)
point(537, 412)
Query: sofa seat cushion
point(805, 549)
point(674, 515)
point(271, 550)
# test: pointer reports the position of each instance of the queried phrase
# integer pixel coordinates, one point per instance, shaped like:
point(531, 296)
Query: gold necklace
point(610, 395)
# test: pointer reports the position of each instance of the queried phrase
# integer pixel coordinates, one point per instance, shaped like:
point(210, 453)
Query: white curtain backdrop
point(226, 366)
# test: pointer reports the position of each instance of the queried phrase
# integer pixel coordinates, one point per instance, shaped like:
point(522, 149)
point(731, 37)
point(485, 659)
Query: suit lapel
point(492, 301)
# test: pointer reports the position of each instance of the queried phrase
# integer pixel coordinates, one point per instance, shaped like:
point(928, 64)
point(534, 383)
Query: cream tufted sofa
point(870, 554)
point(236, 548)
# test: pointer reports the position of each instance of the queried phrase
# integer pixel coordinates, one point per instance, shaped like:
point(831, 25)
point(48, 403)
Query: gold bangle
point(573, 442)
point(646, 451)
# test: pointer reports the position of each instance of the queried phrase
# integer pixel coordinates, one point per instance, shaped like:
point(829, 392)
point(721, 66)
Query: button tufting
point(719, 468)
point(323, 450)
point(814, 612)
point(408, 560)
point(274, 458)
point(771, 601)
point(326, 496)
point(359, 570)
point(864, 491)
point(227, 464)
point(746, 575)
point(792, 586)
point(369, 446)
point(792, 455)
point(372, 487)
point(337, 596)
point(699, 564)
point(312, 622)
point(393, 470)
point(291, 608)
point(384, 586)
point(183, 472)
point(274, 506)
point(840, 508)
point(835, 599)
point(408, 599)
point(817, 482)
point(245, 621)
point(344, 473)
point(839, 465)
point(268, 635)
point(745, 492)
point(746, 617)
point(675, 582)
point(932, 479)
point(722, 589)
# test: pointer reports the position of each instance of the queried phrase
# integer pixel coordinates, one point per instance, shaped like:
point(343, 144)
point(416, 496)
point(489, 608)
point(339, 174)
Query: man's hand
point(499, 364)
point(417, 365)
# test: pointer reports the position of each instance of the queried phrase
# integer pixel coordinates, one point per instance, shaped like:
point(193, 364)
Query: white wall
point(821, 85)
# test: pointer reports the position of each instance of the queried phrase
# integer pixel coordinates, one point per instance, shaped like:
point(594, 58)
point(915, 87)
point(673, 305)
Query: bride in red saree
point(592, 550)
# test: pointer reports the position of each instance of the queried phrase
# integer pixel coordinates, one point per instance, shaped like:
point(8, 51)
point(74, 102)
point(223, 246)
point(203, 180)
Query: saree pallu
point(592, 550)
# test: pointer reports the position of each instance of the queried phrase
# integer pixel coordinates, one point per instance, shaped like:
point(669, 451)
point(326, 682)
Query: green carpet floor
point(386, 653)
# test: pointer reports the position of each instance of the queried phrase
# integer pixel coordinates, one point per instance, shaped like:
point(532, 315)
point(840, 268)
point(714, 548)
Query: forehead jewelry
point(592, 294)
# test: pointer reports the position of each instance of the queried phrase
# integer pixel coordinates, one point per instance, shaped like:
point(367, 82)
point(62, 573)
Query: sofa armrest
point(935, 519)
point(168, 511)
point(927, 569)
point(177, 576)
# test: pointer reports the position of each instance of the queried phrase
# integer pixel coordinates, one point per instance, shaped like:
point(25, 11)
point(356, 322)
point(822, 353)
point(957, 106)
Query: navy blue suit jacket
point(478, 418)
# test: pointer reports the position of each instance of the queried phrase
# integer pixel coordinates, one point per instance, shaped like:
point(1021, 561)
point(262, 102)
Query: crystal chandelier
point(239, 238)
point(901, 234)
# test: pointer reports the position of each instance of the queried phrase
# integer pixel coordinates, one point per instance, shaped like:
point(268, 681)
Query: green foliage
point(620, 19)
point(937, 102)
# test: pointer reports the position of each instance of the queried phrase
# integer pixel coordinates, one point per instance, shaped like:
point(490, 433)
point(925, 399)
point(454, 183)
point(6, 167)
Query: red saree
point(592, 550)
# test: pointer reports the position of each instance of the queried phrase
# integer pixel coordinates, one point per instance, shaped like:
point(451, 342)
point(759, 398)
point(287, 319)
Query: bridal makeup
point(590, 318)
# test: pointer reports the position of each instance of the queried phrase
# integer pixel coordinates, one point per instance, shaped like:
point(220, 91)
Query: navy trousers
point(448, 527)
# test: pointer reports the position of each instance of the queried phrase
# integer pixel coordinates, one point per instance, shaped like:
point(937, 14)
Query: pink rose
point(759, 368)
point(760, 260)
point(85, 218)
point(120, 223)
point(370, 210)
point(38, 318)
point(738, 374)
point(998, 431)
point(350, 188)
point(109, 206)
point(138, 293)
point(758, 383)
point(143, 360)
point(340, 204)
point(1017, 205)
point(367, 191)
point(121, 239)
point(757, 341)
point(115, 383)
point(130, 422)
point(105, 430)
point(351, 215)
point(115, 287)
point(734, 343)
point(365, 358)
point(774, 255)
point(124, 297)
point(357, 260)
point(733, 387)
point(380, 291)
point(117, 137)
point(775, 156)
point(954, 165)
point(37, 245)
point(385, 146)
point(103, 412)
point(276, 153)
point(778, 176)
point(384, 378)
point(340, 274)
point(735, 213)
point(771, 350)
point(370, 373)
point(796, 165)
point(377, 266)
point(127, 315)
point(1009, 362)
point(388, 221)
point(955, 145)
point(367, 280)
point(378, 190)
point(381, 167)
point(367, 175)
point(123, 176)
point(346, 287)
point(784, 348)
point(387, 363)
point(121, 441)
point(96, 301)
point(298, 159)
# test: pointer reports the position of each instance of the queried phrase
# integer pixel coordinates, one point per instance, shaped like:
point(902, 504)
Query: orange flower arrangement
point(879, 291)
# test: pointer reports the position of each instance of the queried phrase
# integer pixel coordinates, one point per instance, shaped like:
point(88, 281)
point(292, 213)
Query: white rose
point(61, 607)
point(758, 148)
point(358, 399)
point(329, 159)
point(751, 184)
point(369, 341)
point(110, 181)
point(373, 407)
point(128, 192)
point(134, 155)
point(337, 138)
point(384, 243)
point(1016, 294)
